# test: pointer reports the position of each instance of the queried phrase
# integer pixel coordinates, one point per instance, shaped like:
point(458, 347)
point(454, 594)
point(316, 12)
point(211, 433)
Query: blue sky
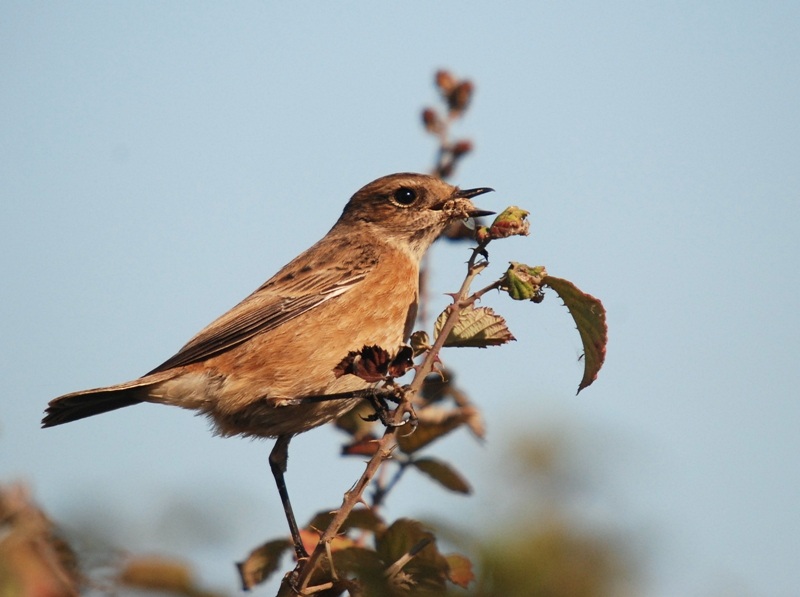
point(160, 161)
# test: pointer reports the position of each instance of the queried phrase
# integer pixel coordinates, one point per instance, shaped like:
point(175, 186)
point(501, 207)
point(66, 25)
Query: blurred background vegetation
point(537, 543)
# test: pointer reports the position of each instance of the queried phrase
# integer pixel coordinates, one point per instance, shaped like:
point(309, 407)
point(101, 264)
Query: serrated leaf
point(444, 474)
point(262, 562)
point(460, 570)
point(590, 317)
point(479, 327)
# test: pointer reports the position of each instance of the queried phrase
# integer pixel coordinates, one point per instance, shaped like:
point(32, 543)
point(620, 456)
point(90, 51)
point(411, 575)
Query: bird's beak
point(469, 194)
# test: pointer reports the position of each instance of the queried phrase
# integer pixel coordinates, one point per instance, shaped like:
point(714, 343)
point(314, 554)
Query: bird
point(265, 368)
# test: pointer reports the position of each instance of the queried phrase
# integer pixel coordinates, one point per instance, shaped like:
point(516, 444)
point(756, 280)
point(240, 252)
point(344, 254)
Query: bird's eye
point(404, 196)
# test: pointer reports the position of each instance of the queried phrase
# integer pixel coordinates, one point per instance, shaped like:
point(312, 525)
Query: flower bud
point(430, 119)
point(523, 283)
point(512, 222)
point(420, 342)
point(461, 148)
point(458, 99)
point(445, 81)
point(482, 234)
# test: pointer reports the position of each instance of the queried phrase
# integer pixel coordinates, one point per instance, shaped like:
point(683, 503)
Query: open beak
point(469, 194)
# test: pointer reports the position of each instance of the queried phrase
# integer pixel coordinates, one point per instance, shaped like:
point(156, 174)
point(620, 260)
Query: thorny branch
point(388, 442)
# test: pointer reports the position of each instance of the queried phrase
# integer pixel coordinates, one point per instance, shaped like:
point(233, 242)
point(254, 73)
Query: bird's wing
point(279, 300)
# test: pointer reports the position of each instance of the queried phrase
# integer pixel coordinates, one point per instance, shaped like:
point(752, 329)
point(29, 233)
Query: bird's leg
point(278, 459)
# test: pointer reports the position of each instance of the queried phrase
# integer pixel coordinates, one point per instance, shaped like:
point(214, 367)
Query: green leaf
point(444, 474)
point(590, 317)
point(479, 327)
point(523, 282)
point(262, 562)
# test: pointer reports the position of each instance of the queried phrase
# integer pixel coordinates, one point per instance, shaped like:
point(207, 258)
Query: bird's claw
point(382, 413)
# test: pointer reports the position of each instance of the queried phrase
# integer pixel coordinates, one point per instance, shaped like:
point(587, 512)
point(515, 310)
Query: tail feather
point(79, 405)
point(85, 404)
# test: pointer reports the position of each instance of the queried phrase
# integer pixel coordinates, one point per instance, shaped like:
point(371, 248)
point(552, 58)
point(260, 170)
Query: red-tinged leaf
point(590, 317)
point(444, 474)
point(262, 562)
point(479, 328)
point(511, 222)
point(460, 571)
point(366, 446)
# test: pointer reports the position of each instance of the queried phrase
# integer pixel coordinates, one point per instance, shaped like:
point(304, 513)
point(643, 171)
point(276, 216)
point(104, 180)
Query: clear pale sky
point(160, 161)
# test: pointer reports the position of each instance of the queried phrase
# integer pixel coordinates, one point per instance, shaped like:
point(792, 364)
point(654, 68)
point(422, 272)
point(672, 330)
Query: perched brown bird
point(264, 367)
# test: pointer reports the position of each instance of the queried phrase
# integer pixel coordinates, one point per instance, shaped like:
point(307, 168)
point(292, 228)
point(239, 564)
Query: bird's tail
point(79, 405)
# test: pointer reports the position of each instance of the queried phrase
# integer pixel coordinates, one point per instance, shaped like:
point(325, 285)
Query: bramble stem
point(388, 442)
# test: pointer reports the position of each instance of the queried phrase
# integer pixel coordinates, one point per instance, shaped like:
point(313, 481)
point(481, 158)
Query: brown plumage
point(357, 286)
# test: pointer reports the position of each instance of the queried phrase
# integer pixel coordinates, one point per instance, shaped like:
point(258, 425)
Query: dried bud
point(373, 363)
point(445, 170)
point(445, 81)
point(401, 362)
point(523, 283)
point(482, 234)
point(512, 222)
point(458, 98)
point(437, 386)
point(461, 148)
point(420, 342)
point(370, 364)
point(431, 120)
